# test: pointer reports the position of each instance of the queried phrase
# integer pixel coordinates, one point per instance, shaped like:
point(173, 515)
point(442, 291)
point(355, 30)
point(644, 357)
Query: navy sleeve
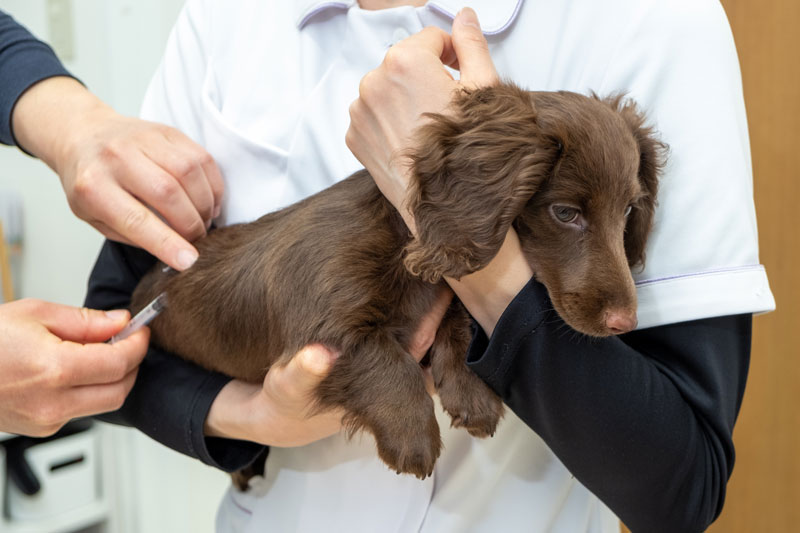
point(643, 420)
point(24, 61)
point(171, 397)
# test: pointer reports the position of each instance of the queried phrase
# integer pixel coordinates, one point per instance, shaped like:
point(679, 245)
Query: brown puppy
point(575, 176)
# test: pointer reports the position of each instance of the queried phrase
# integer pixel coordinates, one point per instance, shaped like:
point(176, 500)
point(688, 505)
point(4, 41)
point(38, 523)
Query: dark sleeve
point(643, 420)
point(24, 61)
point(171, 397)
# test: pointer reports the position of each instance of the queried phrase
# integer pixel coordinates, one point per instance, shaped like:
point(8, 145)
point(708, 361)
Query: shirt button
point(399, 34)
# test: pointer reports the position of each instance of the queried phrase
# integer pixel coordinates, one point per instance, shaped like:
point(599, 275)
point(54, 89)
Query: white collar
point(495, 15)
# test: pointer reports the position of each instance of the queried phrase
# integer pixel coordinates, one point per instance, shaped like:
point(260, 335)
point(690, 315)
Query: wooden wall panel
point(764, 492)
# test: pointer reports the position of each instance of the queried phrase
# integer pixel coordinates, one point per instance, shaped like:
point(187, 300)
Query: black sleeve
point(171, 397)
point(24, 61)
point(643, 420)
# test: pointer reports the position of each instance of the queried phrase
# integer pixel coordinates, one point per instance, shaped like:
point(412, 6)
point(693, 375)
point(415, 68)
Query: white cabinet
point(72, 495)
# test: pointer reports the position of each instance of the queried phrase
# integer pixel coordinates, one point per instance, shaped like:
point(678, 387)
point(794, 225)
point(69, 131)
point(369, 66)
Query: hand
point(55, 367)
point(280, 412)
point(411, 81)
point(113, 168)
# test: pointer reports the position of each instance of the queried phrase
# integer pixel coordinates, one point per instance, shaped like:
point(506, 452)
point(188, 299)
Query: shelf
point(73, 520)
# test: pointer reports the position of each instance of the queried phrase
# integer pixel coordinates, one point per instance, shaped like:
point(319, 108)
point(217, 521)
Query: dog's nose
point(619, 321)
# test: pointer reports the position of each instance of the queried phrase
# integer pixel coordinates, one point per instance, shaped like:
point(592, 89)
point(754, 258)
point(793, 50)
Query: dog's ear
point(473, 173)
point(652, 158)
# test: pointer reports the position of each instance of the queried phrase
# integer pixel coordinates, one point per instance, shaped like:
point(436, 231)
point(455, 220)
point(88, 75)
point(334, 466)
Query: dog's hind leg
point(382, 389)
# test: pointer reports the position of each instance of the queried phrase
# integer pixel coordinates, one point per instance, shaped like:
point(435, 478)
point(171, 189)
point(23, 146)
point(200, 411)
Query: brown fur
point(336, 268)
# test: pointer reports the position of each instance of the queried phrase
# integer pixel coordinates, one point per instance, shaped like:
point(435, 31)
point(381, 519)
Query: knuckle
point(397, 60)
point(195, 229)
point(134, 220)
point(111, 150)
point(204, 159)
point(365, 87)
point(83, 187)
point(117, 399)
point(166, 189)
point(55, 375)
point(477, 40)
point(186, 166)
point(48, 416)
point(350, 138)
point(118, 369)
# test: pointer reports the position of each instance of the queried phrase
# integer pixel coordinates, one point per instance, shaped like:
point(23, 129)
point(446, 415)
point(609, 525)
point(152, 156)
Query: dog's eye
point(628, 210)
point(566, 214)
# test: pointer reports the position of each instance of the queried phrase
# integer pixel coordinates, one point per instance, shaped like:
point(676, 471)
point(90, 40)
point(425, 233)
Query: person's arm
point(644, 420)
point(113, 168)
point(24, 61)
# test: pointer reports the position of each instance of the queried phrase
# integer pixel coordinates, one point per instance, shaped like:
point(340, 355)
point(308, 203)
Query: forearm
point(47, 113)
point(24, 62)
point(643, 420)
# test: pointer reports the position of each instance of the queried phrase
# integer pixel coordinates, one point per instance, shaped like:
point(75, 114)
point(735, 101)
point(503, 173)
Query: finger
point(472, 50)
point(163, 192)
point(79, 324)
point(127, 217)
point(304, 372)
point(430, 384)
point(212, 175)
point(431, 40)
point(101, 363)
point(217, 184)
point(426, 330)
point(210, 169)
point(186, 166)
point(110, 233)
point(95, 399)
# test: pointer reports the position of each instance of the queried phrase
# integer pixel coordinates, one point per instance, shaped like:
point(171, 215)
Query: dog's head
point(576, 176)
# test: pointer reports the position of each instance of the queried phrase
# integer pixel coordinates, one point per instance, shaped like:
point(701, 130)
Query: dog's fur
point(340, 267)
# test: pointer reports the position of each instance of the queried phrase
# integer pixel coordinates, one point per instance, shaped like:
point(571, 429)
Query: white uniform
point(265, 86)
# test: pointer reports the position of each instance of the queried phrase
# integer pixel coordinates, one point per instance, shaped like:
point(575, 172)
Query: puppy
point(575, 176)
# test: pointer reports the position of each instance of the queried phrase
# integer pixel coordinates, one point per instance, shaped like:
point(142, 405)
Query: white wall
point(117, 46)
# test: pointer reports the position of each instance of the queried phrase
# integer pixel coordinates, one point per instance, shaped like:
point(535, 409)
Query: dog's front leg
point(466, 398)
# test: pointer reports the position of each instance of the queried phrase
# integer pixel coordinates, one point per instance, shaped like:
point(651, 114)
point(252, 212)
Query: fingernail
point(217, 211)
point(117, 315)
point(467, 17)
point(186, 258)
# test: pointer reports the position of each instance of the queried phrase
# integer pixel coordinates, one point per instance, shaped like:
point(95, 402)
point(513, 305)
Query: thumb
point(83, 325)
point(308, 368)
point(472, 51)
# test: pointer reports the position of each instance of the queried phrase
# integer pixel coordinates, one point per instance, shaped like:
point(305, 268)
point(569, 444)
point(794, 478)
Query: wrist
point(231, 413)
point(487, 292)
point(52, 116)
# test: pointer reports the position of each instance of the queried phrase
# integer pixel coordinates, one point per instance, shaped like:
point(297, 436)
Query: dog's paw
point(471, 404)
point(411, 450)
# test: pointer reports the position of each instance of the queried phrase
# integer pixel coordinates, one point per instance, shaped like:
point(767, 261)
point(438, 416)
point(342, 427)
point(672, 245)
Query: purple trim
point(319, 8)
point(504, 27)
point(240, 506)
point(704, 273)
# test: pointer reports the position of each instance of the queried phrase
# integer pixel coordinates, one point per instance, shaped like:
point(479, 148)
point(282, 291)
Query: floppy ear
point(473, 173)
point(652, 158)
